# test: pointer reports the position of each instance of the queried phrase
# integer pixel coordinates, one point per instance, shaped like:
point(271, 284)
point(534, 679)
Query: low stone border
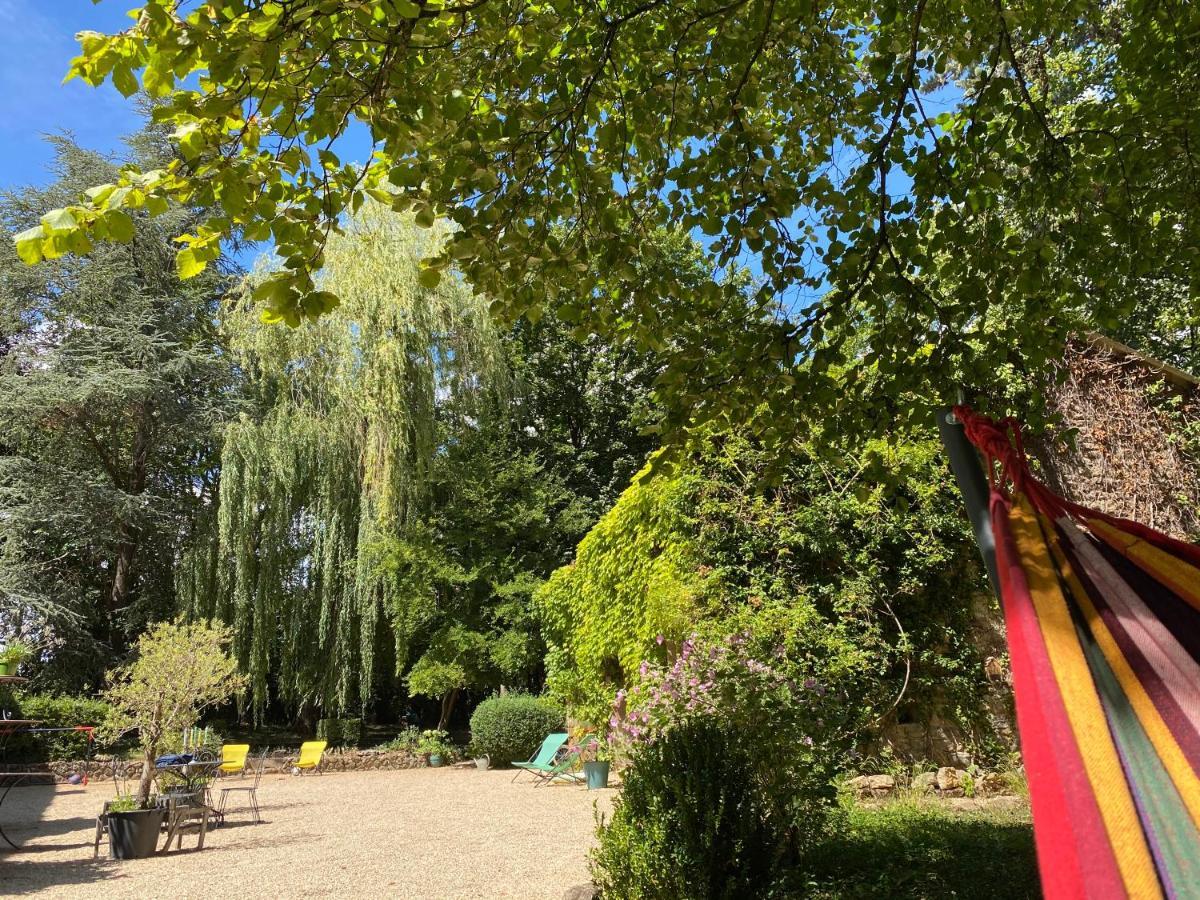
point(945, 782)
point(344, 760)
point(336, 760)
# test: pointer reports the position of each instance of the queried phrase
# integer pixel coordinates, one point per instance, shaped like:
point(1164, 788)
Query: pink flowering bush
point(733, 744)
point(755, 685)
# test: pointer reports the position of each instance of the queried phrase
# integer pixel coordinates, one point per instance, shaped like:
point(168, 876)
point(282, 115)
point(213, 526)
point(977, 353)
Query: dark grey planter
point(134, 835)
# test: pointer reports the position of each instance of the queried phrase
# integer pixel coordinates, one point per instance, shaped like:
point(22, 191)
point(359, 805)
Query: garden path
point(419, 833)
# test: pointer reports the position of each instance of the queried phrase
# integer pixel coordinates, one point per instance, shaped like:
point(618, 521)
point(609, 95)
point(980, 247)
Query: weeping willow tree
point(337, 460)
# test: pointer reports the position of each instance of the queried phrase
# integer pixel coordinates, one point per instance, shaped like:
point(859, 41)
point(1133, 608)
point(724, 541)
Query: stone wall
point(337, 760)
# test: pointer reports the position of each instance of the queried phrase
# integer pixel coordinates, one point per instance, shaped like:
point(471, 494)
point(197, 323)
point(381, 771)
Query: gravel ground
point(421, 833)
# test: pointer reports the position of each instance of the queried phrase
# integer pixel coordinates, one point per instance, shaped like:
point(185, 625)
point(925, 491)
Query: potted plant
point(596, 754)
point(180, 670)
point(13, 654)
point(435, 746)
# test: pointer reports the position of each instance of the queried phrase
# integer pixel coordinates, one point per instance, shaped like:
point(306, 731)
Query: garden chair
point(309, 760)
point(101, 829)
point(233, 758)
point(561, 768)
point(102, 819)
point(251, 792)
point(542, 762)
point(182, 816)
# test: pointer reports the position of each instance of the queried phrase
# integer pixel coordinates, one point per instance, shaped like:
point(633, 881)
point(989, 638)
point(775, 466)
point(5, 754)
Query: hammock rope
point(1103, 622)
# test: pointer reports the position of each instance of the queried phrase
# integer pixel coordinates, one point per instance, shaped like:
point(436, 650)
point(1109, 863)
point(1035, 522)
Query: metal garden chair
point(250, 790)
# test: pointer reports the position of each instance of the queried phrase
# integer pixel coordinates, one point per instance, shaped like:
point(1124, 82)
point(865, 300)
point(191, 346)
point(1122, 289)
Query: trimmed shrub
point(693, 820)
point(57, 712)
point(340, 732)
point(511, 727)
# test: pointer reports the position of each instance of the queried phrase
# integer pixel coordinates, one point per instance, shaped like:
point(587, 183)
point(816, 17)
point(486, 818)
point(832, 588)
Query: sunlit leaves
point(822, 145)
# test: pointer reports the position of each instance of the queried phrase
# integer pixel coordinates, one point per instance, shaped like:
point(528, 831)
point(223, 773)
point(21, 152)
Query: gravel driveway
point(420, 833)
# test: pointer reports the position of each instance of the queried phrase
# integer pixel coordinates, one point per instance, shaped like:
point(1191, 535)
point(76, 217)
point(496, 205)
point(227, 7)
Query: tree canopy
point(403, 476)
point(939, 185)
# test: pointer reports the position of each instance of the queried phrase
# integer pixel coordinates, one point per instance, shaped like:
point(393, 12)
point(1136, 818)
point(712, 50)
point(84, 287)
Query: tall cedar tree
point(112, 384)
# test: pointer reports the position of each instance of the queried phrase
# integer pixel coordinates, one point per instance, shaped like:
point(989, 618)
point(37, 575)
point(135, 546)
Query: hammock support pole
point(964, 462)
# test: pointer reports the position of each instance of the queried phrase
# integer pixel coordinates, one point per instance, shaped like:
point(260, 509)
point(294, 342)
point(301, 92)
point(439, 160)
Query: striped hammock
point(1103, 621)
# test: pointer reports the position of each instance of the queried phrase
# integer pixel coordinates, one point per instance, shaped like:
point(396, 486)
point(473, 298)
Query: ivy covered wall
point(878, 577)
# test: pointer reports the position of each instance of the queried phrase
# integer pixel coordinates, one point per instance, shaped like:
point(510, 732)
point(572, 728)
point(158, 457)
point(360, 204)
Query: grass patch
point(921, 849)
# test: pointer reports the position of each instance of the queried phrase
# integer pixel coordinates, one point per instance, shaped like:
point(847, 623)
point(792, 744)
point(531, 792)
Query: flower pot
point(482, 762)
point(596, 773)
point(435, 759)
point(134, 835)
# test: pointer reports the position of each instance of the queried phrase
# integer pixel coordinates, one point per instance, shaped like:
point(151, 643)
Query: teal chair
point(541, 764)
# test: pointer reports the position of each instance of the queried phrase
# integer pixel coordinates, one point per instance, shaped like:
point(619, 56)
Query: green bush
point(407, 740)
point(340, 732)
point(511, 727)
point(56, 712)
point(693, 821)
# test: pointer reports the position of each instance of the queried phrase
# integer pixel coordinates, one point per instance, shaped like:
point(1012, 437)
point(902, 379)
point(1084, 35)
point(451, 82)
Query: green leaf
point(29, 245)
point(120, 225)
point(59, 220)
point(429, 278)
point(124, 80)
point(424, 217)
point(188, 264)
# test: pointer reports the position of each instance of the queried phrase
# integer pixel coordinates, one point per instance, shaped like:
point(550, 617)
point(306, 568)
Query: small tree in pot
point(180, 670)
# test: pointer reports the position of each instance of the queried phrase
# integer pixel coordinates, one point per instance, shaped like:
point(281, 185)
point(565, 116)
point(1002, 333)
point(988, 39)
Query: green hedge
point(56, 712)
point(511, 727)
point(340, 732)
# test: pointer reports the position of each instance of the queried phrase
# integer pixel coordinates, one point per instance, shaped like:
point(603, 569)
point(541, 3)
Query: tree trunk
point(448, 701)
point(122, 585)
point(128, 535)
point(147, 779)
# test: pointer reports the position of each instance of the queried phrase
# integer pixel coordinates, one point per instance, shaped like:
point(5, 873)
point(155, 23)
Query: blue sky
point(37, 43)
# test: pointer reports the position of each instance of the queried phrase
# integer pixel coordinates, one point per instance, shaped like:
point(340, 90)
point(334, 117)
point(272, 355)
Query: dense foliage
point(113, 385)
point(633, 578)
point(510, 727)
point(334, 460)
point(875, 582)
point(52, 711)
point(875, 161)
point(405, 478)
point(340, 732)
point(691, 822)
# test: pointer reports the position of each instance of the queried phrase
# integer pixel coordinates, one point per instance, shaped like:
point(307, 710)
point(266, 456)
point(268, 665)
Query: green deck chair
point(541, 764)
point(565, 764)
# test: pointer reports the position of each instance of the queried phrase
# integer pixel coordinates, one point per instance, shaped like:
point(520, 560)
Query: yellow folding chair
point(310, 756)
point(233, 758)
